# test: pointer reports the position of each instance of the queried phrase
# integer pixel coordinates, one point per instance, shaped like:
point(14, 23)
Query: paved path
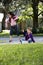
point(16, 40)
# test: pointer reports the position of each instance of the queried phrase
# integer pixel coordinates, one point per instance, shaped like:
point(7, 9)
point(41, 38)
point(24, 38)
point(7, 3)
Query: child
point(12, 19)
point(28, 35)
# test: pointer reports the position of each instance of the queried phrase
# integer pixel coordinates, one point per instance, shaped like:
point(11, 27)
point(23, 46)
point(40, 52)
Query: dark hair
point(11, 13)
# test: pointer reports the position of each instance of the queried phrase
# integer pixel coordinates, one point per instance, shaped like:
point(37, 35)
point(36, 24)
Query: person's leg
point(11, 33)
point(29, 40)
point(23, 40)
point(16, 29)
point(10, 39)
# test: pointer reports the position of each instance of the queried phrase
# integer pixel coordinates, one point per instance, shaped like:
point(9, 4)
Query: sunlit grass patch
point(26, 54)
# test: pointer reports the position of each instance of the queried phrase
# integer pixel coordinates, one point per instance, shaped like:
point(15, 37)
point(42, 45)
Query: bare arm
point(15, 18)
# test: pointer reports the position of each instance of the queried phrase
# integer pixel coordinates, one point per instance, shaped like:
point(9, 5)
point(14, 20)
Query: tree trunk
point(3, 22)
point(35, 14)
point(5, 13)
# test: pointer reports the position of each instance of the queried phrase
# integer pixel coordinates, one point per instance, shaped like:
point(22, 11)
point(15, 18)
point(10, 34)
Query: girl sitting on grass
point(28, 35)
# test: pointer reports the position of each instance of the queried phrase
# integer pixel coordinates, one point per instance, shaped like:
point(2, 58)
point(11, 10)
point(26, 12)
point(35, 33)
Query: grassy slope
point(30, 54)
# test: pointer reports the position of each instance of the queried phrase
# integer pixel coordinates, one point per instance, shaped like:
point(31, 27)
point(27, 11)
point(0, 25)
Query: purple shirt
point(28, 36)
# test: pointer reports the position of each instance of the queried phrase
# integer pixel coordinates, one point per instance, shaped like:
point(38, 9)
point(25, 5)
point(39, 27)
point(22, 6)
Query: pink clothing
point(13, 20)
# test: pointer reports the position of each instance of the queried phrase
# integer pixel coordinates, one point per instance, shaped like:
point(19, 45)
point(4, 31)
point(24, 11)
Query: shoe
point(20, 41)
point(10, 40)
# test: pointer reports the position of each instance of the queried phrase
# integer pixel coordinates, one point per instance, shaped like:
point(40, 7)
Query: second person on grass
point(28, 36)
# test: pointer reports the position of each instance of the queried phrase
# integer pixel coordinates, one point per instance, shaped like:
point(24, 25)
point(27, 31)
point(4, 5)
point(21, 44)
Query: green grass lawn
point(30, 54)
point(4, 33)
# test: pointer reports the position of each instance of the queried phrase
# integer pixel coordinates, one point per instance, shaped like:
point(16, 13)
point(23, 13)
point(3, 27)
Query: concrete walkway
point(16, 40)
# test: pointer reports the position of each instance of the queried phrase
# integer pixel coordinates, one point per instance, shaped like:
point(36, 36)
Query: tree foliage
point(23, 4)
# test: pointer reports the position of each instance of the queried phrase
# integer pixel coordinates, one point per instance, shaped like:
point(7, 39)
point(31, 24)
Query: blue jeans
point(29, 40)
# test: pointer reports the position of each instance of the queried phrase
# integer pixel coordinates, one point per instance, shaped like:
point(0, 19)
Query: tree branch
point(39, 13)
